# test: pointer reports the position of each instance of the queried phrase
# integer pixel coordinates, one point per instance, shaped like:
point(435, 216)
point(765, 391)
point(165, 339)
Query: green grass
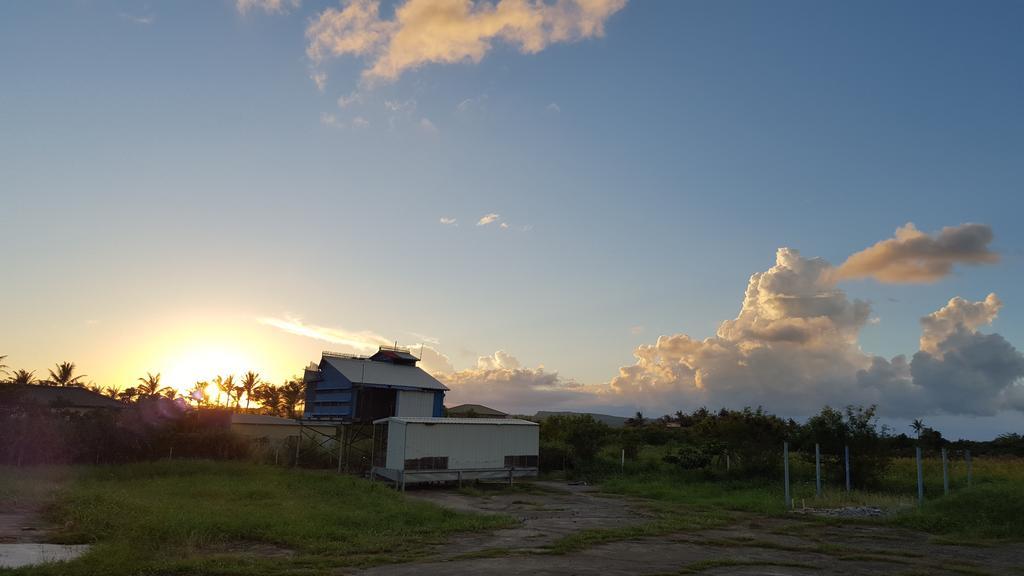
point(230, 518)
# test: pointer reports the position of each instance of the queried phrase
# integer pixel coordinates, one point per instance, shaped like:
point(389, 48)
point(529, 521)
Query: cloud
point(344, 101)
point(488, 219)
point(360, 122)
point(470, 105)
point(427, 126)
point(553, 108)
point(913, 256)
point(144, 19)
point(328, 119)
point(360, 340)
point(268, 6)
point(449, 221)
point(500, 380)
point(320, 79)
point(449, 31)
point(503, 225)
point(793, 347)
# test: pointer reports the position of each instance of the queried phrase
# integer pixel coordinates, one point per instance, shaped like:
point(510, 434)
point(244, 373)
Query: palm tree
point(225, 385)
point(918, 426)
point(23, 377)
point(292, 394)
point(636, 421)
point(3, 367)
point(249, 383)
point(198, 393)
point(112, 392)
point(64, 376)
point(149, 387)
point(128, 395)
point(269, 397)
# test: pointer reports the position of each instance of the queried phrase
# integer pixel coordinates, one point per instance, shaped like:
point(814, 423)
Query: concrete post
point(785, 467)
point(945, 473)
point(920, 479)
point(817, 469)
point(846, 451)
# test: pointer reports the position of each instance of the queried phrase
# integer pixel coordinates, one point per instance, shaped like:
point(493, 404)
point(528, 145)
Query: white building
point(409, 450)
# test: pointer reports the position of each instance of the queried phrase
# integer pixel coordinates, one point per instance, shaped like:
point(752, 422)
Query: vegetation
point(232, 518)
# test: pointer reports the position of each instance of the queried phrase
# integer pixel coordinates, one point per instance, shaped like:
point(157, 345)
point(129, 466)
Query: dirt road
point(752, 545)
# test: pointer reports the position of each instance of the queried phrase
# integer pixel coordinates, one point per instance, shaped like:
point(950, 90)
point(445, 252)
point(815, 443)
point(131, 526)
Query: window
point(427, 463)
point(523, 461)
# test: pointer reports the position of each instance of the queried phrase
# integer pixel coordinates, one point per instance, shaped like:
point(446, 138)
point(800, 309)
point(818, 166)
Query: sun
point(204, 363)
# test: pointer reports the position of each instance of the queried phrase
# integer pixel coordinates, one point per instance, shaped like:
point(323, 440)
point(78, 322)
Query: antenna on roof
point(421, 350)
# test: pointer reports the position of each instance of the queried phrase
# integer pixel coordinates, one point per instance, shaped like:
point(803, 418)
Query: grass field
point(195, 517)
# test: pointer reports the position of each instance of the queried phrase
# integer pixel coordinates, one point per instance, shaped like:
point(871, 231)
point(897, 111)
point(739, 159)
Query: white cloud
point(503, 225)
point(427, 126)
point(268, 6)
point(470, 105)
point(145, 19)
point(448, 221)
point(320, 79)
point(328, 119)
point(553, 108)
point(449, 31)
point(360, 122)
point(362, 341)
point(488, 219)
point(354, 97)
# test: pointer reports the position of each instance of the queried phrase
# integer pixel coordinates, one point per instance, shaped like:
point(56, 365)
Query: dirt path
point(23, 533)
point(751, 546)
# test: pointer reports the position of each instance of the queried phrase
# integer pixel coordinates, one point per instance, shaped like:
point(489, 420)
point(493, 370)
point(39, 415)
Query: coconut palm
point(292, 394)
point(149, 387)
point(225, 385)
point(128, 395)
point(24, 377)
point(918, 427)
point(269, 397)
point(112, 392)
point(249, 383)
point(64, 376)
point(3, 367)
point(198, 393)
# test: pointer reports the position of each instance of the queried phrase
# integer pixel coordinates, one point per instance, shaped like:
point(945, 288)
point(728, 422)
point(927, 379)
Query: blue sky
point(170, 174)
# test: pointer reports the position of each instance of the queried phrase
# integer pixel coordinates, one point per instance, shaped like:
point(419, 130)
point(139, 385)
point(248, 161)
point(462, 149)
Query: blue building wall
point(439, 404)
point(332, 397)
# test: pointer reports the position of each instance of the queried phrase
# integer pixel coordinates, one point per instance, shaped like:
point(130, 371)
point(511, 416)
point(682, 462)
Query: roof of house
point(383, 374)
point(476, 409)
point(266, 419)
point(461, 421)
point(60, 396)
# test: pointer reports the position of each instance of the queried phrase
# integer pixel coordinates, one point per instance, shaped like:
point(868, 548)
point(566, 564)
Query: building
point(410, 450)
point(277, 430)
point(475, 411)
point(68, 398)
point(361, 389)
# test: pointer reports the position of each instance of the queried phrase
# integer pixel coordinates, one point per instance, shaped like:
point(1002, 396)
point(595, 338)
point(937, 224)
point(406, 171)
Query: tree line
point(249, 393)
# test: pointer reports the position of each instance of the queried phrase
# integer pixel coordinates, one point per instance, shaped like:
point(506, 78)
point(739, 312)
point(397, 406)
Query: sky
point(604, 205)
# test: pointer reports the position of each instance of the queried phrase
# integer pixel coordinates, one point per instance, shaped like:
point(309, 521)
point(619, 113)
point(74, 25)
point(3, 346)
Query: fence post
point(817, 470)
point(945, 473)
point(785, 467)
point(920, 479)
point(969, 471)
point(623, 461)
point(846, 451)
point(728, 462)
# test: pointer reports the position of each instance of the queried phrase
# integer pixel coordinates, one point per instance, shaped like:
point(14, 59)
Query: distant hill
point(611, 421)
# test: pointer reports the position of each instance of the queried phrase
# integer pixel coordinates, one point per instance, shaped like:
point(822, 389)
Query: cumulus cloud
point(268, 6)
point(448, 221)
point(488, 219)
point(913, 256)
point(449, 31)
point(500, 380)
point(793, 347)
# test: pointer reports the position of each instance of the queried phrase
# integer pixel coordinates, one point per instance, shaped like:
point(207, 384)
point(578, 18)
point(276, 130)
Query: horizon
point(603, 207)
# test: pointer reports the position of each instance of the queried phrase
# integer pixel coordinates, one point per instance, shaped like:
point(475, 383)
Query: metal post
point(967, 454)
point(785, 467)
point(945, 473)
point(298, 442)
point(341, 449)
point(623, 460)
point(817, 469)
point(920, 479)
point(728, 462)
point(510, 476)
point(846, 451)
point(460, 478)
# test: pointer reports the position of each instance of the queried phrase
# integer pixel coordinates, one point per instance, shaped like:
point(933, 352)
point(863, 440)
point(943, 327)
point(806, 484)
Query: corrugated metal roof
point(364, 371)
point(426, 420)
point(263, 419)
point(58, 396)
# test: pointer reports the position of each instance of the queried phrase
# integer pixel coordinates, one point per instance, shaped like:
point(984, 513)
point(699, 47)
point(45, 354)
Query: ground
point(748, 544)
point(228, 518)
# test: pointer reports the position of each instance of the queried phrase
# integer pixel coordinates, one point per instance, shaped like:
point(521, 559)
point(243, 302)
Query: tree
point(112, 392)
point(292, 394)
point(128, 395)
point(636, 421)
point(149, 387)
point(3, 367)
point(198, 393)
point(64, 376)
point(249, 383)
point(226, 386)
point(23, 377)
point(269, 397)
point(917, 426)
